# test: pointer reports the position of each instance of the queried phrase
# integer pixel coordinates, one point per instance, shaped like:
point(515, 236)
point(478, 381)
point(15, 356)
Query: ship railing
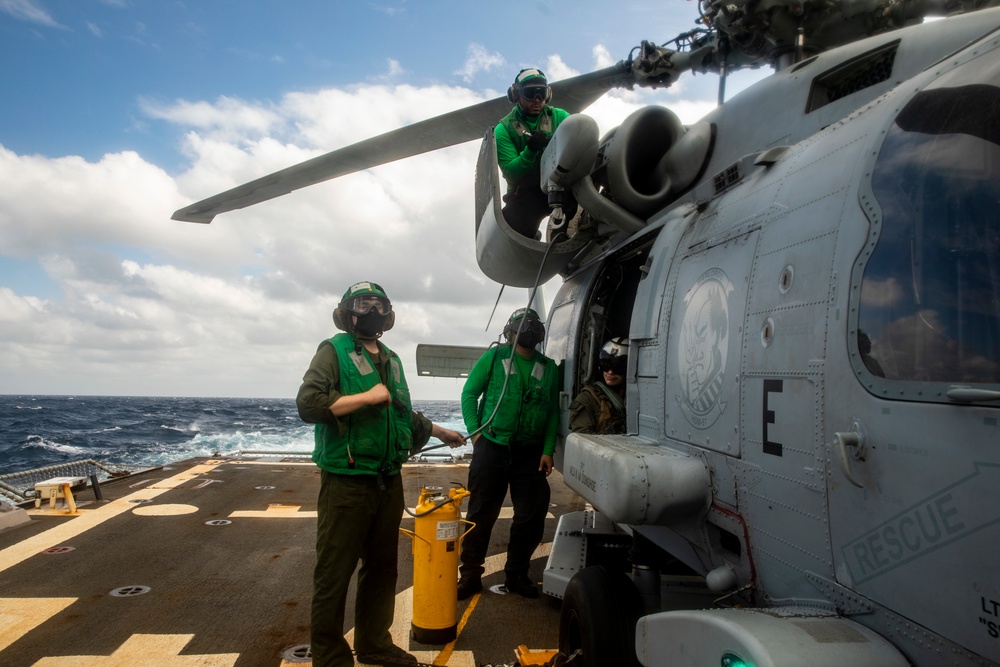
point(422, 457)
point(19, 487)
point(262, 453)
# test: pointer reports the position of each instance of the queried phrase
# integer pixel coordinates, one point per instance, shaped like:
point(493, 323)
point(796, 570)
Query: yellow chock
point(526, 656)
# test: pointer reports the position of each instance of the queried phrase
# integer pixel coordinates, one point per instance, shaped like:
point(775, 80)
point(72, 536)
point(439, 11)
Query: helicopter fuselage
point(814, 368)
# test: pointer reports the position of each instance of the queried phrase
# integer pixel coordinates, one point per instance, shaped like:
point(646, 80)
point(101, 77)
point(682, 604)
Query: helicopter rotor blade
point(455, 127)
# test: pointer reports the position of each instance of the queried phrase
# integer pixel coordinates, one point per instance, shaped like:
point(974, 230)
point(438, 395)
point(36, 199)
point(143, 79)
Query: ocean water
point(142, 432)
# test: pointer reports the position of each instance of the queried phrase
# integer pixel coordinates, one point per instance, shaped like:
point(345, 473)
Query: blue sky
point(117, 112)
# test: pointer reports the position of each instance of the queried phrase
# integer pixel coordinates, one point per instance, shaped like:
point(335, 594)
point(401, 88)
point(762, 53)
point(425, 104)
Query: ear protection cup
point(390, 319)
point(511, 95)
point(338, 319)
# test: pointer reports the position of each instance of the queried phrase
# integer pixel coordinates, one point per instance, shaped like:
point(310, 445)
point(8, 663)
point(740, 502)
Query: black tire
point(599, 613)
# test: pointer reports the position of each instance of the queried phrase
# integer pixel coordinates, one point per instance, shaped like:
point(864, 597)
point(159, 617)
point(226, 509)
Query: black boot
point(469, 585)
point(521, 585)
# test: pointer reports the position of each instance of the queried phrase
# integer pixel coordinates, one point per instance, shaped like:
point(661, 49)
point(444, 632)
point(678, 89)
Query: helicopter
point(810, 280)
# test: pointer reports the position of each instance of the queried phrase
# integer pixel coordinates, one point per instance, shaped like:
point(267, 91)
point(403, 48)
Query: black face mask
point(371, 325)
point(529, 339)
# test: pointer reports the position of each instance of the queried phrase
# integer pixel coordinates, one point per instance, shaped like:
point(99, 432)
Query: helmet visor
point(616, 365)
point(364, 304)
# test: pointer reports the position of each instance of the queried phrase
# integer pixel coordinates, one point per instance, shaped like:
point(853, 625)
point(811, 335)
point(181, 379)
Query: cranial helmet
point(532, 324)
point(614, 356)
point(361, 299)
point(528, 78)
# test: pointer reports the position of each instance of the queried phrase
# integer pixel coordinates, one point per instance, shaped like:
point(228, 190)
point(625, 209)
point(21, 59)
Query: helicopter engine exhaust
point(651, 158)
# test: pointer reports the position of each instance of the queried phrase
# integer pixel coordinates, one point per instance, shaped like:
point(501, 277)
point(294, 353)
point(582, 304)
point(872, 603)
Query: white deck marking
point(159, 650)
point(274, 512)
point(19, 616)
point(164, 510)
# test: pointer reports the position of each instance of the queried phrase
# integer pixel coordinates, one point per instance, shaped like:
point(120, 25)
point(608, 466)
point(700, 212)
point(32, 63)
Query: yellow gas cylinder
point(437, 533)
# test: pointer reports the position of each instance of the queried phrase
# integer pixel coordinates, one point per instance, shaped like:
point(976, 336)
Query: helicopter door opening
point(591, 308)
point(503, 254)
point(608, 310)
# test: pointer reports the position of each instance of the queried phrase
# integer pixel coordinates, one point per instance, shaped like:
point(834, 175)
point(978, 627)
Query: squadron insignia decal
point(703, 349)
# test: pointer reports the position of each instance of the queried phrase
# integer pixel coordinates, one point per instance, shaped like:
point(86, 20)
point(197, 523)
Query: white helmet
point(614, 355)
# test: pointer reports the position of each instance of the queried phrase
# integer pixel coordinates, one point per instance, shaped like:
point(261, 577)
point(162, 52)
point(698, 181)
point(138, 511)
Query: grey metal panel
point(635, 481)
point(758, 107)
point(569, 548)
point(448, 361)
point(654, 289)
point(702, 390)
point(930, 472)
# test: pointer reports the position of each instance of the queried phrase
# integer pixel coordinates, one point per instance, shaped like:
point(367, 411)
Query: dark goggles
point(616, 365)
point(366, 303)
point(535, 92)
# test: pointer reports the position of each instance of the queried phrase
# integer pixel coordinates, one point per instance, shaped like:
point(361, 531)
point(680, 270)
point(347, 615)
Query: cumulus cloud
point(479, 60)
point(142, 304)
point(393, 70)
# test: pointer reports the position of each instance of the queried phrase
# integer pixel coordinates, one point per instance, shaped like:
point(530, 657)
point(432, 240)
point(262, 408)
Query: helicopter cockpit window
point(930, 296)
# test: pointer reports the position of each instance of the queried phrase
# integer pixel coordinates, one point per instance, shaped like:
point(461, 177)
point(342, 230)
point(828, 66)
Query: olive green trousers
point(358, 519)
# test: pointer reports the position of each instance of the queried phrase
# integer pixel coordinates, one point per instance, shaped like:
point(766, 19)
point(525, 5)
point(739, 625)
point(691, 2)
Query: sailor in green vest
point(600, 407)
point(521, 136)
point(510, 406)
point(356, 395)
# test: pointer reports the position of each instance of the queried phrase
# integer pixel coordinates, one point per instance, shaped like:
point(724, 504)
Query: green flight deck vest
point(371, 439)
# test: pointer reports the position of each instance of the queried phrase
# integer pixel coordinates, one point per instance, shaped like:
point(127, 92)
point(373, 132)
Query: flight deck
point(209, 562)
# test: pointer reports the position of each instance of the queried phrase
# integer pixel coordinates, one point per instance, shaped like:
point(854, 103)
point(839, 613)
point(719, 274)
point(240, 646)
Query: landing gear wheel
point(599, 613)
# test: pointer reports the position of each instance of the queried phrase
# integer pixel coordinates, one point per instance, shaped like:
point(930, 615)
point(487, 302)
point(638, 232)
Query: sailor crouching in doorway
point(600, 407)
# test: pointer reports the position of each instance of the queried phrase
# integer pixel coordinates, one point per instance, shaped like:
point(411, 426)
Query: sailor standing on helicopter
point(521, 136)
point(356, 394)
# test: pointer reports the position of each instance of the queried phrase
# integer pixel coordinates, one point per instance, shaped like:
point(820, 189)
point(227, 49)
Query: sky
point(116, 113)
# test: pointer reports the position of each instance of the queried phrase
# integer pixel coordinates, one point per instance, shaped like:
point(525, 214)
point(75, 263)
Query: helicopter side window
point(930, 296)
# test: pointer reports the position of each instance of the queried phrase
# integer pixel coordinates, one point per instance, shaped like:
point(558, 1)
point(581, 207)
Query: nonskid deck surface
point(209, 562)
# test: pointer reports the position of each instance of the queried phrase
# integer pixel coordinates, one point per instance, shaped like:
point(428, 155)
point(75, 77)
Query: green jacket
point(518, 163)
point(528, 412)
point(374, 438)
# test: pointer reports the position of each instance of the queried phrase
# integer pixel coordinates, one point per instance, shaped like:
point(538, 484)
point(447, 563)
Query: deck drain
point(58, 550)
point(499, 589)
point(130, 591)
point(136, 501)
point(218, 522)
point(263, 488)
point(300, 653)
